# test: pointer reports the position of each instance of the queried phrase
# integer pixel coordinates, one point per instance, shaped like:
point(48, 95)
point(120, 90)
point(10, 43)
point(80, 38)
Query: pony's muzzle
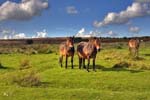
point(71, 48)
point(98, 49)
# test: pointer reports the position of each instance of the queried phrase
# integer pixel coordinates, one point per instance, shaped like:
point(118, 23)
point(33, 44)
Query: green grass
point(107, 83)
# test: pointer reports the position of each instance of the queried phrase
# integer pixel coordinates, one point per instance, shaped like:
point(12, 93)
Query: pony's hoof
point(94, 70)
point(88, 70)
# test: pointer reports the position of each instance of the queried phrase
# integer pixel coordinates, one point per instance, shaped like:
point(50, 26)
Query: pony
point(88, 50)
point(134, 47)
point(66, 49)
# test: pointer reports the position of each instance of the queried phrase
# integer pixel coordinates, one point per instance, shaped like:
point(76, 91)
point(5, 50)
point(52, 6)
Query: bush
point(140, 66)
point(24, 64)
point(43, 49)
point(27, 79)
point(119, 46)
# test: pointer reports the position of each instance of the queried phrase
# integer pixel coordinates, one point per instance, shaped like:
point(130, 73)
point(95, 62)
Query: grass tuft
point(27, 79)
point(24, 64)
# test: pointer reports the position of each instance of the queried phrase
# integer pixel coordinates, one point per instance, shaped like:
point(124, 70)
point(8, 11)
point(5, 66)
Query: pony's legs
point(60, 60)
point(88, 64)
point(72, 61)
point(80, 62)
point(130, 51)
point(94, 64)
point(137, 52)
point(84, 63)
point(66, 62)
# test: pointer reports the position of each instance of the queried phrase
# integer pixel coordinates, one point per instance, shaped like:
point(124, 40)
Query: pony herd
point(88, 50)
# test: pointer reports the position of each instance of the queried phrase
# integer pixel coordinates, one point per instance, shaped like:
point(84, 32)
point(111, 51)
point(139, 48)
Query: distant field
point(130, 80)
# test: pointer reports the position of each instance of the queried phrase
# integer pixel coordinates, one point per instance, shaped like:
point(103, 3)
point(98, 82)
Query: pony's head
point(70, 42)
point(97, 43)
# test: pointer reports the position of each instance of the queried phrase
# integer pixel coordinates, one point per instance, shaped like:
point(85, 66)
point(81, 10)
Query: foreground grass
point(58, 83)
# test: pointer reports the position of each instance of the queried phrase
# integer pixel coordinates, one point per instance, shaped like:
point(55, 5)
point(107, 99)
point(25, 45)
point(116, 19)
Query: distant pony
point(134, 47)
point(66, 49)
point(88, 50)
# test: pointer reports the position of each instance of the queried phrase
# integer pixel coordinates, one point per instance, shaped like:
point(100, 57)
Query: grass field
point(131, 81)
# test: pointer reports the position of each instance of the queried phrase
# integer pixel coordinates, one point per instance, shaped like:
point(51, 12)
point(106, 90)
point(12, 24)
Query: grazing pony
point(66, 49)
point(134, 47)
point(88, 50)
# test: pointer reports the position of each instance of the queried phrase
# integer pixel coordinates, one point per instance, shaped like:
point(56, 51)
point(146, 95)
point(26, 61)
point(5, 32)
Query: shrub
point(24, 64)
point(145, 67)
point(119, 47)
point(140, 66)
point(44, 49)
point(27, 79)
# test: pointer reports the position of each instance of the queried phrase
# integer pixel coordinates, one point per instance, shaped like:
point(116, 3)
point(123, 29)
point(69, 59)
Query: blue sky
point(69, 17)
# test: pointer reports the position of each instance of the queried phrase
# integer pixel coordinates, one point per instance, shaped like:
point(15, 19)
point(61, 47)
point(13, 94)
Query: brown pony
point(66, 49)
point(134, 46)
point(87, 50)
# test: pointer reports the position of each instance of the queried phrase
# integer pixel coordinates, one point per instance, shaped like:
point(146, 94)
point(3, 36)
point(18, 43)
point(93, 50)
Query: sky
point(80, 18)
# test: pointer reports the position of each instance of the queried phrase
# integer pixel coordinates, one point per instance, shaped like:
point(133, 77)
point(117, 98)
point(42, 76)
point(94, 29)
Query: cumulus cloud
point(134, 29)
point(6, 33)
point(24, 10)
point(19, 36)
point(71, 10)
point(41, 34)
point(11, 34)
point(137, 9)
point(111, 33)
point(82, 33)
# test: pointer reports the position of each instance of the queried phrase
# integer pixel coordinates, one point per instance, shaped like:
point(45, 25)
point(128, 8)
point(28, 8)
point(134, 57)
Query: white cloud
point(134, 29)
point(82, 33)
point(41, 34)
point(24, 10)
point(19, 36)
point(71, 10)
point(6, 33)
point(111, 33)
point(137, 9)
point(11, 34)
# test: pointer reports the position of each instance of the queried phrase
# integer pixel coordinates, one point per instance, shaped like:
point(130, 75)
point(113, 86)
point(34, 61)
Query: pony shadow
point(146, 54)
point(100, 67)
point(45, 84)
point(138, 58)
point(4, 67)
point(69, 66)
